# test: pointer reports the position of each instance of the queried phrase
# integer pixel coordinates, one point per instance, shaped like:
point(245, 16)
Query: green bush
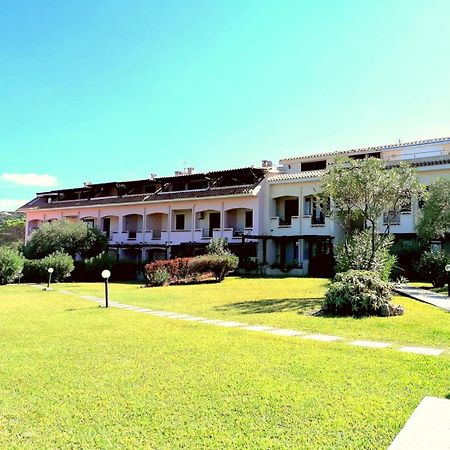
point(64, 236)
point(356, 254)
point(432, 267)
point(407, 252)
point(358, 293)
point(217, 246)
point(36, 270)
point(159, 277)
point(11, 265)
point(218, 265)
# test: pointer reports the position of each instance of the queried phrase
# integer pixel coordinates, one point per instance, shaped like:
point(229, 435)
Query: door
point(107, 226)
point(214, 222)
point(290, 209)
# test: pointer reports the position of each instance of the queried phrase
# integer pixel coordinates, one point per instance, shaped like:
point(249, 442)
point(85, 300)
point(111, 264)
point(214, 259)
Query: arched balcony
point(110, 226)
point(132, 227)
point(156, 226)
point(33, 225)
point(238, 221)
point(208, 223)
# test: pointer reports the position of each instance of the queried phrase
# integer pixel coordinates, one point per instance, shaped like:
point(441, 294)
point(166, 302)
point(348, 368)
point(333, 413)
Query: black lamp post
point(105, 275)
point(447, 269)
point(50, 270)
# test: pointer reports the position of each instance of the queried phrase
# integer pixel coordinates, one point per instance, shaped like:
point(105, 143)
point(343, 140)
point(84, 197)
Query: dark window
point(290, 210)
point(318, 217)
point(179, 221)
point(149, 189)
point(363, 156)
point(374, 155)
point(307, 206)
point(89, 222)
point(248, 219)
point(314, 165)
point(178, 187)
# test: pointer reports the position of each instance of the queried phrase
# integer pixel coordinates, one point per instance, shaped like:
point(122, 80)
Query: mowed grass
point(73, 375)
point(287, 303)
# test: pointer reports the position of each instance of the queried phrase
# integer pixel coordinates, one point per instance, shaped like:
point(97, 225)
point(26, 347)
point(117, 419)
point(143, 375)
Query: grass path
point(73, 375)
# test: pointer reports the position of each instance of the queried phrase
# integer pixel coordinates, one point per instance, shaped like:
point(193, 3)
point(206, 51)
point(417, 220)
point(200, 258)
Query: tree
point(11, 265)
point(64, 236)
point(12, 231)
point(435, 219)
point(361, 191)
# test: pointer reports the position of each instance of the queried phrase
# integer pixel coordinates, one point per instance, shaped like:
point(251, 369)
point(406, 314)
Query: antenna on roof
point(399, 142)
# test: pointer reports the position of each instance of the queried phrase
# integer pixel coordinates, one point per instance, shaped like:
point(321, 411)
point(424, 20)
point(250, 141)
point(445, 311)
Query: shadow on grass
point(266, 306)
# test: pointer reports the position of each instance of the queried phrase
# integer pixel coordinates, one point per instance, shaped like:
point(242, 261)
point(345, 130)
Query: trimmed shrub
point(159, 277)
point(218, 265)
point(408, 253)
point(217, 246)
point(432, 267)
point(177, 269)
point(11, 265)
point(358, 293)
point(36, 270)
point(90, 269)
point(356, 254)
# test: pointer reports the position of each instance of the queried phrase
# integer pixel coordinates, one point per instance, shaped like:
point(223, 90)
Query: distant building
point(269, 214)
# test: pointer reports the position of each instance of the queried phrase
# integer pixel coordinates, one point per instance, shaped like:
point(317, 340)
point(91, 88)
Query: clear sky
point(108, 90)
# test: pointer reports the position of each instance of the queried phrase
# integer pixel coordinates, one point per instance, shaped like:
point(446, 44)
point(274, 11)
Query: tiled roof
point(296, 175)
point(371, 149)
point(40, 203)
point(438, 160)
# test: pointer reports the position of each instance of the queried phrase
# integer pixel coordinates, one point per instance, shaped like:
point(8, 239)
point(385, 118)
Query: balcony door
point(107, 226)
point(290, 209)
point(214, 222)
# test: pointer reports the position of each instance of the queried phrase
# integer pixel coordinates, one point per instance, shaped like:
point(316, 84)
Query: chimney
point(190, 170)
point(87, 183)
point(153, 176)
point(178, 173)
point(266, 163)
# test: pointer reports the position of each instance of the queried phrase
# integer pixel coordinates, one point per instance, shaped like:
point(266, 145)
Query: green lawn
point(73, 375)
point(287, 303)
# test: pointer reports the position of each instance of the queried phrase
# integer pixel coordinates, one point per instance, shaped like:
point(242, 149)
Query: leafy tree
point(12, 231)
point(11, 265)
point(64, 236)
point(435, 219)
point(217, 246)
point(361, 191)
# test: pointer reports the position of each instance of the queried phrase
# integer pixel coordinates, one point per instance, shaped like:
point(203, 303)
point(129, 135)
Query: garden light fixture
point(50, 270)
point(447, 269)
point(105, 275)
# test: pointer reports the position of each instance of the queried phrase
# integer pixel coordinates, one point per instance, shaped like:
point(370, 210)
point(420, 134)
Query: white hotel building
point(266, 213)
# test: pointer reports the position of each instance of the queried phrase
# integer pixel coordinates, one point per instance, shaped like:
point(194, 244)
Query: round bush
point(159, 277)
point(432, 267)
point(358, 293)
point(36, 270)
point(11, 265)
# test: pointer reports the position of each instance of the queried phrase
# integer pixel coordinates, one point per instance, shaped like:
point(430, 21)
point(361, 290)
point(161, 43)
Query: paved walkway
point(428, 428)
point(260, 328)
point(423, 295)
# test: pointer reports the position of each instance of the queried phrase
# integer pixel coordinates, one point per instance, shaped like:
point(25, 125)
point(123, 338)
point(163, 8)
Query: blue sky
point(111, 90)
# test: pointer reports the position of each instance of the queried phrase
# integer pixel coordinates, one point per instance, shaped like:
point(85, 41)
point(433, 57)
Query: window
point(89, 222)
point(248, 219)
point(179, 221)
point(307, 207)
point(314, 165)
point(318, 217)
point(391, 218)
point(363, 156)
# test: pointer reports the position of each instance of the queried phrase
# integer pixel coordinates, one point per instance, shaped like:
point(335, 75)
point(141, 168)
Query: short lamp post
point(50, 270)
point(447, 269)
point(105, 275)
